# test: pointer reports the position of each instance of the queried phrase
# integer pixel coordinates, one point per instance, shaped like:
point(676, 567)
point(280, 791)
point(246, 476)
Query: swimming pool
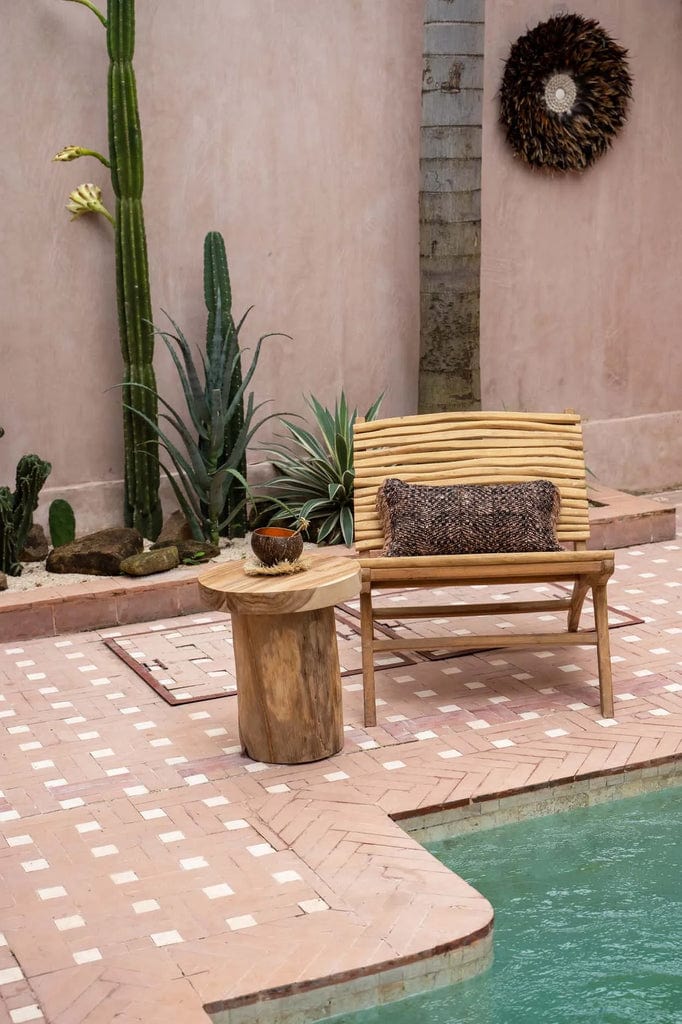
point(588, 924)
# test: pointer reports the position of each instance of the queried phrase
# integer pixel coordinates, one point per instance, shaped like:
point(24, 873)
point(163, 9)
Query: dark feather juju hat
point(564, 93)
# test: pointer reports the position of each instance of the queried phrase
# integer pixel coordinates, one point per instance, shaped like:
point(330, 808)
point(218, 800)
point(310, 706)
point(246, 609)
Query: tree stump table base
point(288, 686)
point(286, 656)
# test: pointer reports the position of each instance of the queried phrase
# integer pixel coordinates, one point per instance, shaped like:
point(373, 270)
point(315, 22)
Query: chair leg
point(601, 617)
point(367, 642)
point(580, 588)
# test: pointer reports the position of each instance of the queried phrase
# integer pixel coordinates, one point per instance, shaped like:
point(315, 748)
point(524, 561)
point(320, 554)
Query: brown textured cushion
point(467, 519)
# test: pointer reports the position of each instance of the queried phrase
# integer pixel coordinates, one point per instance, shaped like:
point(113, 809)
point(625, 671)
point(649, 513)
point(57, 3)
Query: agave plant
point(204, 474)
point(316, 477)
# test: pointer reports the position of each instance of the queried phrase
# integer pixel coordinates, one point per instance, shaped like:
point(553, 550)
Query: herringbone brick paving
point(149, 867)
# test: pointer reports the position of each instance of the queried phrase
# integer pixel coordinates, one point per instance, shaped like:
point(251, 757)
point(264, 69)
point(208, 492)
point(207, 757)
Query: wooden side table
point(286, 655)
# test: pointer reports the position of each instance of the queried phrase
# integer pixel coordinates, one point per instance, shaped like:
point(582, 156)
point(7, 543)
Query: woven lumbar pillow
point(467, 519)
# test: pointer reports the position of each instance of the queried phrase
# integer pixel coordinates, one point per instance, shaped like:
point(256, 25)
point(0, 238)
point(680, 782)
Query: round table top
point(330, 580)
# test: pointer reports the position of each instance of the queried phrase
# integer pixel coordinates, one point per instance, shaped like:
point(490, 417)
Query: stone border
point(350, 992)
point(103, 602)
point(620, 520)
point(492, 811)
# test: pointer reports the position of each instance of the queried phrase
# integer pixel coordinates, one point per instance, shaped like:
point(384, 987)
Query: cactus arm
point(217, 288)
point(91, 7)
point(142, 506)
point(222, 335)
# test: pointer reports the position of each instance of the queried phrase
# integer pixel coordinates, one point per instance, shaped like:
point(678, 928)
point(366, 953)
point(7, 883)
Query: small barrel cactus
point(62, 523)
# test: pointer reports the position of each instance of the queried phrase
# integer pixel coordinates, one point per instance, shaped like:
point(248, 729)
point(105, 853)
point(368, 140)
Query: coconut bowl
point(273, 544)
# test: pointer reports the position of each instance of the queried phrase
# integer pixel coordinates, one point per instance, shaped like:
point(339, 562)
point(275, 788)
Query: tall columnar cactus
point(218, 298)
point(142, 505)
point(16, 510)
point(142, 508)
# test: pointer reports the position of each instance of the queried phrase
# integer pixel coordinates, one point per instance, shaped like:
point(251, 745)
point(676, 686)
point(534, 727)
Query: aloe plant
point(317, 476)
point(202, 476)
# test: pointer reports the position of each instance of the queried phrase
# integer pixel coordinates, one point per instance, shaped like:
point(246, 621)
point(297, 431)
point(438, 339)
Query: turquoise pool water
point(588, 920)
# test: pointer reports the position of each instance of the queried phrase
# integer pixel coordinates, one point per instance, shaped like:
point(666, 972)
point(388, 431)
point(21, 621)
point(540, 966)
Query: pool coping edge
point(313, 1000)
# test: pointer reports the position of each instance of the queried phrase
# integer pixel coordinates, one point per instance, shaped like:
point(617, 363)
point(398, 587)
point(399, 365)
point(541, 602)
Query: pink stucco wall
point(581, 302)
point(289, 125)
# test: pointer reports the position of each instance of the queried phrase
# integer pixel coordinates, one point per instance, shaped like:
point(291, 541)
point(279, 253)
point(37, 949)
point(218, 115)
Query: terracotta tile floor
point(149, 868)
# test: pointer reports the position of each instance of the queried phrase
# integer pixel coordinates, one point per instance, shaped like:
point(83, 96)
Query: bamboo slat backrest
point(471, 447)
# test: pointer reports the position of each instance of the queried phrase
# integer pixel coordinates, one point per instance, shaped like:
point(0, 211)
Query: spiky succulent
point(202, 475)
point(317, 476)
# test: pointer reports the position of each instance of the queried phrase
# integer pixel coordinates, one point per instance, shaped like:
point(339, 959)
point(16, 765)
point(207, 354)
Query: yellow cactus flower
point(73, 152)
point(69, 153)
point(87, 198)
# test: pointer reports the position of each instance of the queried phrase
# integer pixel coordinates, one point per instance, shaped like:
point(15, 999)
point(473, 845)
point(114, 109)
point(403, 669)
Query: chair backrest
point(475, 448)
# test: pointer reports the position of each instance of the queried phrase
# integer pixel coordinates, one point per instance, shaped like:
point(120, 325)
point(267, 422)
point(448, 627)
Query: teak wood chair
point(479, 448)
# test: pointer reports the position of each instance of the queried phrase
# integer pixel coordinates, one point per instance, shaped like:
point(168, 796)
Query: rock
point(36, 547)
point(160, 560)
point(175, 528)
point(3, 581)
point(97, 554)
point(190, 549)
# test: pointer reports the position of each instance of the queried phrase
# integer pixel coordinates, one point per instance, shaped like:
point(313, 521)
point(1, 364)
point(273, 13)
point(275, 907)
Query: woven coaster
point(255, 568)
